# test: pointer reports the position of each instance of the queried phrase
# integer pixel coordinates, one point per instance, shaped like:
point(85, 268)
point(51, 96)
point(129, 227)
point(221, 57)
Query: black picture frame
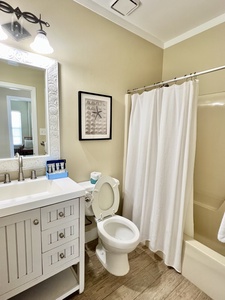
point(95, 116)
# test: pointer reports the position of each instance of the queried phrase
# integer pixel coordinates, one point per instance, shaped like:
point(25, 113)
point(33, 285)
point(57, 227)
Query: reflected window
point(16, 127)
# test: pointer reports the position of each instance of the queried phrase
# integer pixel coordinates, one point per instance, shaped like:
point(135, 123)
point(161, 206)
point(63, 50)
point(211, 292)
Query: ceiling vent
point(125, 7)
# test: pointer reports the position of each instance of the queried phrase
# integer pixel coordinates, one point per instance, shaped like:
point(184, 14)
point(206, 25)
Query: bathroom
point(102, 58)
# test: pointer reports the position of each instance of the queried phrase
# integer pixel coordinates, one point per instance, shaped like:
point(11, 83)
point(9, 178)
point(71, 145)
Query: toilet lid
point(105, 197)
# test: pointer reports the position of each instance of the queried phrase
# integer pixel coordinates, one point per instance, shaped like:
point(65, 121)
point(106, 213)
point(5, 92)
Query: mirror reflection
point(22, 114)
point(37, 75)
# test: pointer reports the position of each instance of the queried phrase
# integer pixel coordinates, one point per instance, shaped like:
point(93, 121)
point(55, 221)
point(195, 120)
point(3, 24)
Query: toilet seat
point(105, 197)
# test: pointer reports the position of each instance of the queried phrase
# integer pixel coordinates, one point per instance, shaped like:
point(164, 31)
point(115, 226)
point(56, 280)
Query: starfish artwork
point(97, 113)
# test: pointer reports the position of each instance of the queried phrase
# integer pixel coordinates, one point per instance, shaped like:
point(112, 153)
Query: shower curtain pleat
point(160, 164)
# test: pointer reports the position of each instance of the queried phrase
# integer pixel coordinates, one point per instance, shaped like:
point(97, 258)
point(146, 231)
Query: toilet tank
point(88, 186)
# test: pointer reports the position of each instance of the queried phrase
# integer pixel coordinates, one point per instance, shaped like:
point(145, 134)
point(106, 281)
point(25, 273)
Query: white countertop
point(25, 195)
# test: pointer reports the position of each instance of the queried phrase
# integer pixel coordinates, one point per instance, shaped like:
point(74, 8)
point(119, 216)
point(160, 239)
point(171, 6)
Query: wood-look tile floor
point(149, 278)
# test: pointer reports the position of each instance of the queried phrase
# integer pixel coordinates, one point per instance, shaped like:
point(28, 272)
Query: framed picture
point(95, 116)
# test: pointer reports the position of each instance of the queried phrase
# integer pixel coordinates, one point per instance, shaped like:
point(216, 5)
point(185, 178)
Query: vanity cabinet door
point(20, 249)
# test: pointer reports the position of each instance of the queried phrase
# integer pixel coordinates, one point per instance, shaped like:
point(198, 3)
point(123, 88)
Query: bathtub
point(204, 267)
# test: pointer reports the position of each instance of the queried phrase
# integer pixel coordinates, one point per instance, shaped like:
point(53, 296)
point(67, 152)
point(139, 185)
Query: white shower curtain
point(160, 165)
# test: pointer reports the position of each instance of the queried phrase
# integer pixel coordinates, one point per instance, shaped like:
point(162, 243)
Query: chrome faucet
point(20, 173)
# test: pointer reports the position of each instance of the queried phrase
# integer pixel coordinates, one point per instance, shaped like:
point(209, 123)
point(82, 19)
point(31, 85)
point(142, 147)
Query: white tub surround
point(204, 267)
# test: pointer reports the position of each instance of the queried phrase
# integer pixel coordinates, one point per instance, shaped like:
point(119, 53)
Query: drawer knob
point(36, 222)
point(61, 235)
point(61, 255)
point(61, 214)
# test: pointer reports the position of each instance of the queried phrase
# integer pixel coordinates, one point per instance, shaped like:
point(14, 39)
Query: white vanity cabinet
point(42, 252)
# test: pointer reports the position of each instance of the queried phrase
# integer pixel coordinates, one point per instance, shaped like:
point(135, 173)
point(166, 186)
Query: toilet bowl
point(117, 236)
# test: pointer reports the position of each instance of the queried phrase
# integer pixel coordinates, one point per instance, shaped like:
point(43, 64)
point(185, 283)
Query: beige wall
point(108, 60)
point(102, 58)
point(94, 55)
point(201, 52)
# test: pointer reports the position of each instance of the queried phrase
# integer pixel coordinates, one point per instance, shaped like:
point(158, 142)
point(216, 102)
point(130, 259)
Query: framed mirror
point(49, 148)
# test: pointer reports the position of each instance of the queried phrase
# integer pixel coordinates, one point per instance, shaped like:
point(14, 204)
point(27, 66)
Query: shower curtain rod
point(163, 83)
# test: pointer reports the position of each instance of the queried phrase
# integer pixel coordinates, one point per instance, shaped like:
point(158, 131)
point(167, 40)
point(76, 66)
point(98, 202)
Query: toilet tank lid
point(89, 187)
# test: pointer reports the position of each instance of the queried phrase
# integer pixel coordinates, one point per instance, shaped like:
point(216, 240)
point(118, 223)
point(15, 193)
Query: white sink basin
point(18, 196)
point(34, 188)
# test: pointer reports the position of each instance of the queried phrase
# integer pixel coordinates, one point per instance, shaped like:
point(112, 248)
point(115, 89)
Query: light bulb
point(41, 43)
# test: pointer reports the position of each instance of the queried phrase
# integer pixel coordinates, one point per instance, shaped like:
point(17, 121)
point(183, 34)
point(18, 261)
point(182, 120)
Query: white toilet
point(117, 235)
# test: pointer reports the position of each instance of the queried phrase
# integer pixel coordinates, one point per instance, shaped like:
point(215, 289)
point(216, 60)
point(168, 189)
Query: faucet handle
point(33, 174)
point(7, 178)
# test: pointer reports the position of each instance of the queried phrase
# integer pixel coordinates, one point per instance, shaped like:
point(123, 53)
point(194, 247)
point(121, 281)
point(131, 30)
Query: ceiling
point(163, 22)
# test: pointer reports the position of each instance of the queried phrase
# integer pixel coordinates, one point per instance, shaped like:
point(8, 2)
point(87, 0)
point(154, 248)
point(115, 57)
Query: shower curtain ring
point(195, 76)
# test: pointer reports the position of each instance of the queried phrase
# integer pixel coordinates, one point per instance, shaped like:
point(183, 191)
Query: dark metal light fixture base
point(16, 30)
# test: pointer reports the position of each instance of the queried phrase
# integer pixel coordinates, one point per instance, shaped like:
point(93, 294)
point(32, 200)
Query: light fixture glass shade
point(3, 35)
point(41, 43)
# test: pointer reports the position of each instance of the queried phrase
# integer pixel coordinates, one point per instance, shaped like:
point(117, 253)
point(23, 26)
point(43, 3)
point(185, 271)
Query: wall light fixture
point(17, 31)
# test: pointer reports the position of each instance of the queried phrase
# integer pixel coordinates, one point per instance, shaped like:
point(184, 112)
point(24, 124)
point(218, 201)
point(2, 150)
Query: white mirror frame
point(51, 107)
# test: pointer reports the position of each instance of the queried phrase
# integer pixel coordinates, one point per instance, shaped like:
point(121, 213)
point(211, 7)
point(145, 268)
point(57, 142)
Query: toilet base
point(116, 264)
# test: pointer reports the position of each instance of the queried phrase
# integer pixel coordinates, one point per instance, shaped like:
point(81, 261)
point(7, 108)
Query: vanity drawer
point(56, 214)
point(56, 236)
point(60, 255)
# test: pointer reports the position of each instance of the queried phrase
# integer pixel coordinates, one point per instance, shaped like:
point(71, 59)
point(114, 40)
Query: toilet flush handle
point(88, 196)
